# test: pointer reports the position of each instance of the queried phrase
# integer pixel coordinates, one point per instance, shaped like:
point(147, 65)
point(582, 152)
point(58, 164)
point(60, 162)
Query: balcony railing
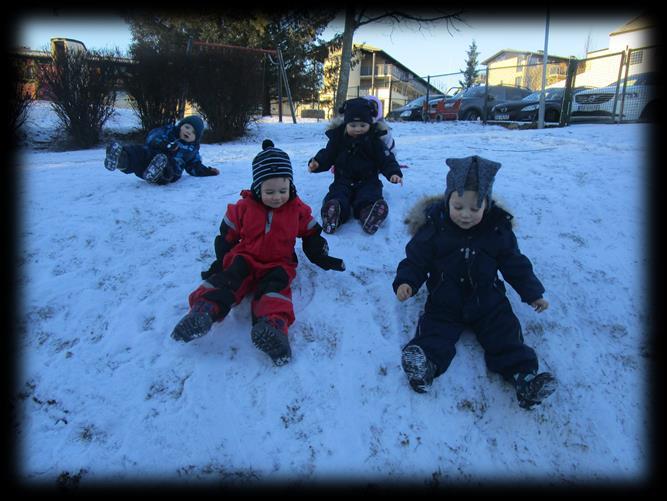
point(383, 70)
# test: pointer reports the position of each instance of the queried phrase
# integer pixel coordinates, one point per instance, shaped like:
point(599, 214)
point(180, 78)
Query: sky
point(108, 261)
point(426, 51)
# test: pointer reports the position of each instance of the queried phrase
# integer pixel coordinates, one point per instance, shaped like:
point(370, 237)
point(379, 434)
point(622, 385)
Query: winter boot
point(155, 168)
point(330, 216)
point(193, 325)
point(116, 157)
point(372, 218)
point(270, 336)
point(531, 388)
point(196, 323)
point(419, 369)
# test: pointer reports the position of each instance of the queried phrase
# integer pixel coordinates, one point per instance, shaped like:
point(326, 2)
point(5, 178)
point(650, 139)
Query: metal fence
point(608, 88)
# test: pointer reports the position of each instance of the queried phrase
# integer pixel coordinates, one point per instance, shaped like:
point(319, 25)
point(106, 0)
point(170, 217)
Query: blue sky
point(426, 51)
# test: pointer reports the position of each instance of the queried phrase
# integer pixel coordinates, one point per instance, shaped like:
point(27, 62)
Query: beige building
point(376, 73)
point(524, 68)
point(637, 36)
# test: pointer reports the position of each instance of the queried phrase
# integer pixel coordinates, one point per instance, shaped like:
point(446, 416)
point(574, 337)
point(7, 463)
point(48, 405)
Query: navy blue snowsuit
point(357, 161)
point(161, 140)
point(460, 268)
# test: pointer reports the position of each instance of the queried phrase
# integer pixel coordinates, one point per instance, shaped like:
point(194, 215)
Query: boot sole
point(415, 366)
point(155, 168)
point(266, 339)
point(112, 156)
point(331, 218)
point(375, 217)
point(192, 326)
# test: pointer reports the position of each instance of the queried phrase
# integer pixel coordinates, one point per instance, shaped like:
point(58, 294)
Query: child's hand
point(403, 292)
point(396, 179)
point(313, 165)
point(540, 305)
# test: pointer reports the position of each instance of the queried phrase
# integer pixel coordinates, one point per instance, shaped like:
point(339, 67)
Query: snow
point(107, 262)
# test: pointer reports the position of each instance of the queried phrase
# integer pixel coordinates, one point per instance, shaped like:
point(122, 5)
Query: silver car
point(639, 103)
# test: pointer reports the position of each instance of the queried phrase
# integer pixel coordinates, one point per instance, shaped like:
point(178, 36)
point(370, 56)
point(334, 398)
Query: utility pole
point(540, 114)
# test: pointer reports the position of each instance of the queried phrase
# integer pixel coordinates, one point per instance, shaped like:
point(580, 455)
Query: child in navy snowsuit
point(168, 151)
point(356, 149)
point(460, 243)
point(255, 253)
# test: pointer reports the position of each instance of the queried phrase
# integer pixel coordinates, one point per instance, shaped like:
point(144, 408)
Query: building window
point(636, 56)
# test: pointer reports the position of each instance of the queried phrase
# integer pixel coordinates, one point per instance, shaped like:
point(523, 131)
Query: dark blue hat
point(358, 110)
point(197, 124)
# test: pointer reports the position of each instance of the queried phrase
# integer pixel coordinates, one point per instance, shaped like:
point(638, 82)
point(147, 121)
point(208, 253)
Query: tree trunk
point(345, 58)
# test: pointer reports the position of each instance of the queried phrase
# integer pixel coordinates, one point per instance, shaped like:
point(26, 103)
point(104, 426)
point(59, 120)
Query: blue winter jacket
point(460, 267)
point(186, 157)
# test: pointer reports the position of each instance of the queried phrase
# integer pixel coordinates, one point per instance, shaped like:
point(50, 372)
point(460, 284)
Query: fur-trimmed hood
point(380, 127)
point(416, 217)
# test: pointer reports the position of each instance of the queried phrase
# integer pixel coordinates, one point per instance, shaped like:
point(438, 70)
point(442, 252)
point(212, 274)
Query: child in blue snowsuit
point(168, 151)
point(356, 149)
point(459, 244)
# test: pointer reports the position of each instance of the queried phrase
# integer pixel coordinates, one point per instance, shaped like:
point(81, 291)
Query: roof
point(525, 52)
point(640, 22)
point(370, 48)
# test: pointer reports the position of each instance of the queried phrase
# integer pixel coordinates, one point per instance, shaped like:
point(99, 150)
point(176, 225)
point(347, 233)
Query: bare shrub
point(156, 82)
point(81, 86)
point(226, 85)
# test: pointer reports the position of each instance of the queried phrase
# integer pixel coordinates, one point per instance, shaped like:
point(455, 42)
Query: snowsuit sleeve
point(414, 269)
point(195, 167)
point(327, 155)
point(159, 138)
point(388, 165)
point(518, 270)
point(226, 240)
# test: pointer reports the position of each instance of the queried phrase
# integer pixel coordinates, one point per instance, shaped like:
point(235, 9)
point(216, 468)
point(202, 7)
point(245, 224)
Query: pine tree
point(470, 72)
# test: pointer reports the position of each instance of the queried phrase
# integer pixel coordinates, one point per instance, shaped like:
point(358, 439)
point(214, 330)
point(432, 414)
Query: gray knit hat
point(471, 173)
point(270, 162)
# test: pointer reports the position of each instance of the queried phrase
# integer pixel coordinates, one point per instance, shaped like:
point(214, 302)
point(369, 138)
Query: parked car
point(412, 110)
point(528, 108)
point(640, 101)
point(469, 103)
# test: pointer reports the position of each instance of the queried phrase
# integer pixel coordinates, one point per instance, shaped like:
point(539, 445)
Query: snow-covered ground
point(107, 262)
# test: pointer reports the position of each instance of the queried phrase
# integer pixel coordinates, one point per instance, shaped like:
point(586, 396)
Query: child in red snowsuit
point(255, 253)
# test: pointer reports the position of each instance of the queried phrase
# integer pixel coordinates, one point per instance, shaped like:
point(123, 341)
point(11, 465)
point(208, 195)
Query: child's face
point(187, 133)
point(463, 210)
point(275, 191)
point(355, 129)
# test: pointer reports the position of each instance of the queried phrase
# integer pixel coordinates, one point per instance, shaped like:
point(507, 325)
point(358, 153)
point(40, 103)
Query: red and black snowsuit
point(255, 252)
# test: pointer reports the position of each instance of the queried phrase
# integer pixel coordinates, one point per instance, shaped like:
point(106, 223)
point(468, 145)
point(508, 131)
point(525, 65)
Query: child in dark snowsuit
point(255, 253)
point(359, 154)
point(168, 151)
point(462, 241)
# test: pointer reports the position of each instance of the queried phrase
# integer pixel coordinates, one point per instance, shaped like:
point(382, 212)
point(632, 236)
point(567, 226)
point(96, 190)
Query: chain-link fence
point(611, 87)
point(615, 88)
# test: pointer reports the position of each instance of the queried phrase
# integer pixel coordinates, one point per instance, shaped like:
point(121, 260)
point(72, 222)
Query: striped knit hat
point(270, 162)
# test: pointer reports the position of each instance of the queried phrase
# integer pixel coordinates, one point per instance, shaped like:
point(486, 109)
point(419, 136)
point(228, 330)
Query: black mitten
point(330, 263)
point(317, 251)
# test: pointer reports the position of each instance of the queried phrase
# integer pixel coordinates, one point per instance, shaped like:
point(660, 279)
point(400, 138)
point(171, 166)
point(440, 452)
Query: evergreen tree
point(470, 72)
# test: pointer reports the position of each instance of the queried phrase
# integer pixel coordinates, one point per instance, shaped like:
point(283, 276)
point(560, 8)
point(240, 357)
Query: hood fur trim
point(416, 216)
